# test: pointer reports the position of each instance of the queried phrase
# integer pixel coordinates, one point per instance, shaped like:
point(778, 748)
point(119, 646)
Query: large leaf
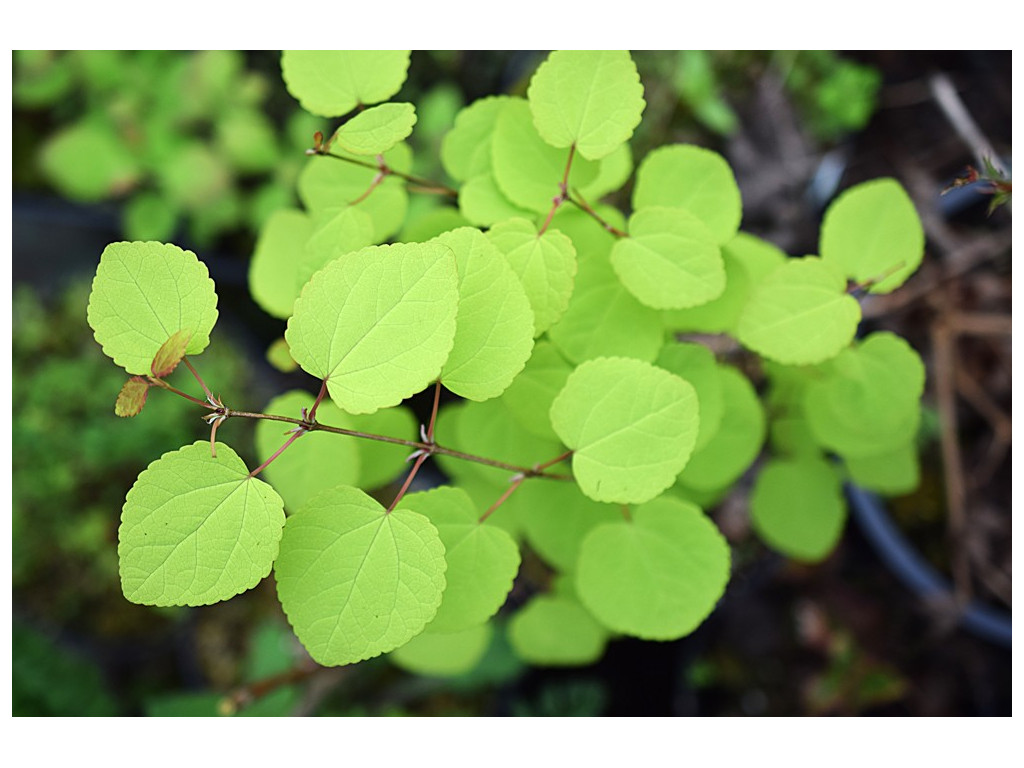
point(143, 294)
point(315, 462)
point(273, 271)
point(694, 178)
point(657, 576)
point(632, 428)
point(356, 581)
point(527, 169)
point(196, 529)
point(545, 264)
point(494, 325)
point(872, 231)
point(333, 83)
point(799, 314)
point(670, 259)
point(482, 560)
point(797, 507)
point(377, 325)
point(590, 99)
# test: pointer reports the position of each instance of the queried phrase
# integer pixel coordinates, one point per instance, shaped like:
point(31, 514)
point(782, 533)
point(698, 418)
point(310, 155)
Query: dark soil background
point(851, 636)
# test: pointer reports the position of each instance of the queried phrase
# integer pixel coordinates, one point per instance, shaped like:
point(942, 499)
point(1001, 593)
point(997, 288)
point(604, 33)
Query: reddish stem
point(516, 482)
point(408, 480)
point(299, 433)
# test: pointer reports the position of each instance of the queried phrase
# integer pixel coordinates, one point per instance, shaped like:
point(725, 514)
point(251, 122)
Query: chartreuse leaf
point(871, 232)
point(797, 507)
point(553, 630)
point(280, 357)
point(892, 473)
point(696, 364)
point(327, 182)
point(378, 324)
point(529, 397)
point(694, 178)
point(466, 148)
point(632, 428)
point(333, 83)
point(736, 443)
point(273, 271)
point(612, 173)
point(604, 319)
point(382, 462)
point(799, 314)
point(315, 462)
point(545, 264)
point(335, 232)
point(494, 324)
point(132, 397)
point(483, 204)
point(527, 169)
point(868, 400)
point(356, 581)
point(657, 576)
point(431, 223)
point(377, 129)
point(482, 560)
point(747, 259)
point(197, 529)
point(590, 99)
point(557, 517)
point(489, 429)
point(143, 294)
point(446, 655)
point(670, 259)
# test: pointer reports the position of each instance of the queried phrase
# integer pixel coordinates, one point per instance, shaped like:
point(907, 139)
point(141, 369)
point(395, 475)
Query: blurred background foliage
point(198, 148)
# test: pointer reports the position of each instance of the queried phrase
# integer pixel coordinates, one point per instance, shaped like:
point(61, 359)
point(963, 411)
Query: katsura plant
point(617, 373)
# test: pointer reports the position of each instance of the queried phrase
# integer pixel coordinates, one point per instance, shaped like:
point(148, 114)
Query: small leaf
point(797, 507)
point(378, 325)
point(557, 517)
point(590, 99)
point(656, 577)
point(466, 148)
point(799, 314)
point(868, 400)
point(333, 83)
point(694, 178)
point(88, 161)
point(280, 357)
point(696, 364)
point(376, 130)
point(556, 631)
point(670, 259)
point(381, 462)
point(447, 655)
point(170, 354)
point(132, 397)
point(632, 428)
point(356, 581)
point(603, 319)
point(545, 264)
point(482, 560)
point(143, 294)
point(530, 396)
point(197, 529)
point(892, 473)
point(872, 232)
point(736, 442)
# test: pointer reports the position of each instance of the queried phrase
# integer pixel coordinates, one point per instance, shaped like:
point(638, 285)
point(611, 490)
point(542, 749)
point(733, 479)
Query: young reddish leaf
point(170, 354)
point(132, 397)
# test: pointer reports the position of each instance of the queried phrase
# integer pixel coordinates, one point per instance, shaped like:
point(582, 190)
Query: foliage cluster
point(617, 373)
